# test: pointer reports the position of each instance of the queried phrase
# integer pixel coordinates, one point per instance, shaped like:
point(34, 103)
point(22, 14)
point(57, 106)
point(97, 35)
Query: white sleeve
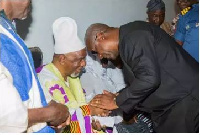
point(117, 78)
point(13, 113)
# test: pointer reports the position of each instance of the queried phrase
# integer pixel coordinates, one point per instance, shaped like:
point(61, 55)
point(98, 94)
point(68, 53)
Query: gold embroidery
point(185, 10)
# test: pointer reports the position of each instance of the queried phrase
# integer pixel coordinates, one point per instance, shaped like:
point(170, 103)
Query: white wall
point(36, 30)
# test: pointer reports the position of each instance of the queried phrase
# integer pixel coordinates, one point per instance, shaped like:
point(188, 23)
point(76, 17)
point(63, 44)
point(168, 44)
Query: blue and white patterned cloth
point(17, 61)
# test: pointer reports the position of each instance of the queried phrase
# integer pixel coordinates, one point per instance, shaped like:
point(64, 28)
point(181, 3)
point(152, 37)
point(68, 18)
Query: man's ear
point(100, 35)
point(62, 59)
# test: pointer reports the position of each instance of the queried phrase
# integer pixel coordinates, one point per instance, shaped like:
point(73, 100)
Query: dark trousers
point(183, 117)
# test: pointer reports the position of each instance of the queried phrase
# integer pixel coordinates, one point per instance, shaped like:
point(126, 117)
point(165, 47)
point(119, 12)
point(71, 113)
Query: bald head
point(92, 32)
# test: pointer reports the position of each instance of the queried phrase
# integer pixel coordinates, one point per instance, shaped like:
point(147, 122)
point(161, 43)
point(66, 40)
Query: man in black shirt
point(162, 77)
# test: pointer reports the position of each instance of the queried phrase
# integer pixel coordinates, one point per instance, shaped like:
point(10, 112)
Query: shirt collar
point(195, 5)
point(3, 15)
point(185, 10)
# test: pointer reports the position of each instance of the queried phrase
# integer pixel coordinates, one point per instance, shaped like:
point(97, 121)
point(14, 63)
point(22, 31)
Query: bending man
point(162, 77)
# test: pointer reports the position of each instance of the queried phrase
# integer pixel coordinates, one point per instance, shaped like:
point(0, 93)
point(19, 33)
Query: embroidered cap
point(65, 35)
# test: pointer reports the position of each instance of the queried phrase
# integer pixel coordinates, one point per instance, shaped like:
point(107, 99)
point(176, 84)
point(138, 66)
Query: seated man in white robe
point(60, 80)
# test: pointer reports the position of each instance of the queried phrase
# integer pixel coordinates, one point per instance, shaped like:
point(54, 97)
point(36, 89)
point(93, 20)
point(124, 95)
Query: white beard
point(23, 18)
point(74, 75)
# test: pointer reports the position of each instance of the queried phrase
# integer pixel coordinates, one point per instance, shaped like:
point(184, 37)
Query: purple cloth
point(57, 87)
point(74, 117)
point(39, 69)
point(88, 127)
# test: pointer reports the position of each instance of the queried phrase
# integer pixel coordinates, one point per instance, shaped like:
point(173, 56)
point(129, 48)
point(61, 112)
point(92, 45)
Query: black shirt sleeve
point(138, 54)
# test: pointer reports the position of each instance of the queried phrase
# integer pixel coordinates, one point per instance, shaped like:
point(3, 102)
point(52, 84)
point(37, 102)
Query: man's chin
point(25, 16)
point(74, 75)
point(112, 58)
point(21, 18)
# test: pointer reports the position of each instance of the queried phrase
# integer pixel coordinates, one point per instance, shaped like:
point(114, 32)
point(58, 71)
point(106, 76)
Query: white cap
point(65, 35)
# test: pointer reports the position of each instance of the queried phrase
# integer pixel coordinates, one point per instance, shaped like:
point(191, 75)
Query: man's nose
point(83, 63)
point(156, 20)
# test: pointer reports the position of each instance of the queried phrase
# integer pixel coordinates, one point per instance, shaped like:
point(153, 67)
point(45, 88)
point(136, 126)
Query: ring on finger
point(97, 101)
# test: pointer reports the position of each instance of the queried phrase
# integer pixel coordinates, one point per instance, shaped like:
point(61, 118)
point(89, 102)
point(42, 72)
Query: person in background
point(23, 107)
point(156, 15)
point(162, 78)
point(183, 6)
point(187, 31)
point(60, 79)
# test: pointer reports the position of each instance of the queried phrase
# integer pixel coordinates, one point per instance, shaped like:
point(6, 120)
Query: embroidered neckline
point(185, 10)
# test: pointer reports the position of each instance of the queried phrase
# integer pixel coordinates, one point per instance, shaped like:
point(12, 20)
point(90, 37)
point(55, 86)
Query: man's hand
point(55, 114)
point(179, 42)
point(105, 101)
point(98, 111)
point(96, 125)
point(59, 113)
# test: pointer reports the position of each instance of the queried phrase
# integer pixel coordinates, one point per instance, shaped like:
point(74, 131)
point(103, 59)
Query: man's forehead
point(157, 12)
point(82, 53)
point(18, 0)
point(78, 54)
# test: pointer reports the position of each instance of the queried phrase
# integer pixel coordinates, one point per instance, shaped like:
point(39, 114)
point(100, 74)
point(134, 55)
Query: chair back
point(37, 56)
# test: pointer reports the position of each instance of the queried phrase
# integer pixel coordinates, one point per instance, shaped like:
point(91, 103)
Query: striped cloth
point(143, 125)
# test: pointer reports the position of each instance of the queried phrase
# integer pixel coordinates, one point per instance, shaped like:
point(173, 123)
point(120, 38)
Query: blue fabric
point(5, 20)
point(46, 129)
point(11, 53)
point(27, 51)
point(13, 58)
point(188, 31)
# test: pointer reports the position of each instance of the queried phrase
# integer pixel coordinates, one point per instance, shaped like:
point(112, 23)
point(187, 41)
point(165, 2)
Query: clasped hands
point(102, 104)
